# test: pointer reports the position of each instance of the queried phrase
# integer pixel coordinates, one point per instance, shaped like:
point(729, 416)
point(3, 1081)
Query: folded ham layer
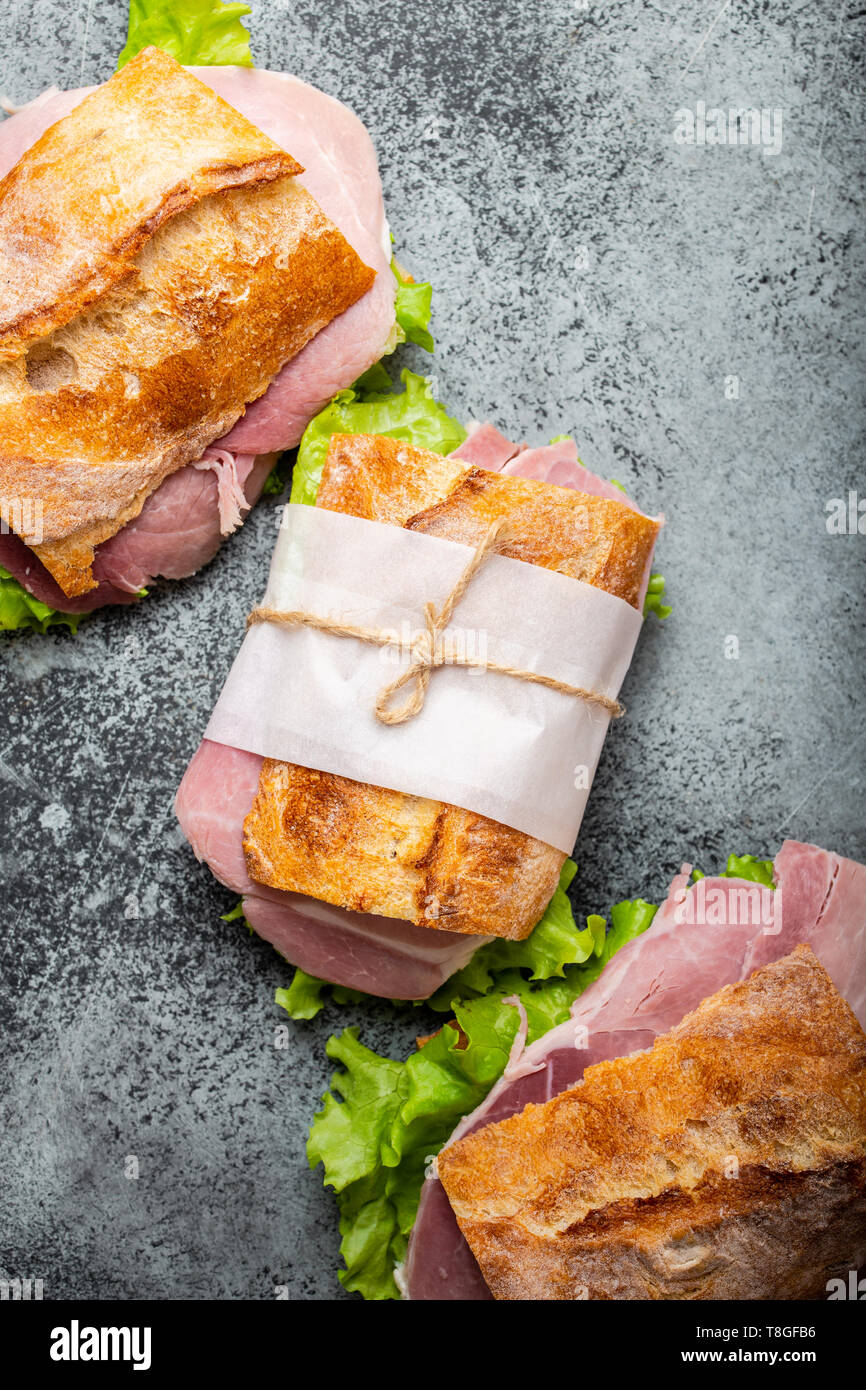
point(178, 529)
point(380, 955)
point(341, 171)
point(646, 989)
point(383, 956)
point(556, 463)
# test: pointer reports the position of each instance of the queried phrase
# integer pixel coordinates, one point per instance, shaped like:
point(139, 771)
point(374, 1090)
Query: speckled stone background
point(592, 276)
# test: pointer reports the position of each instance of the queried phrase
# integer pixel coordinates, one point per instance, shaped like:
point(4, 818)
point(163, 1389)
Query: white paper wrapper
point(493, 744)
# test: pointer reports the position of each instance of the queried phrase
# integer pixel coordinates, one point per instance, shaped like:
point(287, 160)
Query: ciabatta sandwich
point(517, 1040)
point(340, 874)
point(727, 1162)
point(193, 262)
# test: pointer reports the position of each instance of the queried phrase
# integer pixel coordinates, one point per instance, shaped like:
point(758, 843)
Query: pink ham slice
point(485, 447)
point(179, 529)
point(176, 532)
point(559, 464)
point(648, 987)
point(342, 173)
point(379, 955)
point(556, 463)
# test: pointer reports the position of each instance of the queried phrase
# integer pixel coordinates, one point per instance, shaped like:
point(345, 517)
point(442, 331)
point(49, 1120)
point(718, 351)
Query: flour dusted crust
point(80, 204)
point(163, 264)
point(729, 1161)
point(382, 851)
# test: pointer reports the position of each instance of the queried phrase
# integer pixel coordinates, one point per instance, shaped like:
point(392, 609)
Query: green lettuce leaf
point(412, 309)
point(278, 479)
point(236, 914)
point(18, 609)
point(371, 406)
point(747, 867)
point(554, 943)
point(654, 596)
point(392, 1116)
point(304, 997)
point(383, 1120)
point(204, 33)
point(754, 870)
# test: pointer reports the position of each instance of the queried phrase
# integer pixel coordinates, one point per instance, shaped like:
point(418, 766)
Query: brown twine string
point(428, 650)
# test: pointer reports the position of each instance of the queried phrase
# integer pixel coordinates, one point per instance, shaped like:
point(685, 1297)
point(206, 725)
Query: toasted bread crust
point(384, 480)
point(598, 541)
point(373, 850)
point(588, 538)
point(97, 413)
point(94, 189)
point(409, 857)
point(729, 1161)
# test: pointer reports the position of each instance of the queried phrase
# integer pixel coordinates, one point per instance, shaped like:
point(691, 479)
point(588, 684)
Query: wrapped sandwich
point(727, 1161)
point(379, 857)
point(194, 261)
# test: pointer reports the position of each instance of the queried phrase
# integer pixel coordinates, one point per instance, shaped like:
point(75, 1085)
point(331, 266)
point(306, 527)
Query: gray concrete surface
point(594, 276)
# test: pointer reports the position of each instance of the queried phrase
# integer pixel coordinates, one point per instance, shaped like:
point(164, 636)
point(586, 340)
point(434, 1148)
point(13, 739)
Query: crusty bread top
point(381, 479)
point(374, 850)
point(764, 1081)
point(79, 205)
point(136, 382)
point(377, 850)
point(602, 542)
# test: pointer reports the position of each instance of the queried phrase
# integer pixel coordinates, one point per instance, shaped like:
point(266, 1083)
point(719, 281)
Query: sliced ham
point(228, 469)
point(559, 464)
point(379, 955)
point(32, 575)
point(342, 173)
point(23, 129)
point(485, 447)
point(179, 529)
point(821, 901)
point(176, 532)
point(695, 946)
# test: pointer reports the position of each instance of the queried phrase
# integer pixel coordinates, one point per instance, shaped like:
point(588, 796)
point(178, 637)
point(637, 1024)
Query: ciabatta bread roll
point(727, 1162)
point(160, 264)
